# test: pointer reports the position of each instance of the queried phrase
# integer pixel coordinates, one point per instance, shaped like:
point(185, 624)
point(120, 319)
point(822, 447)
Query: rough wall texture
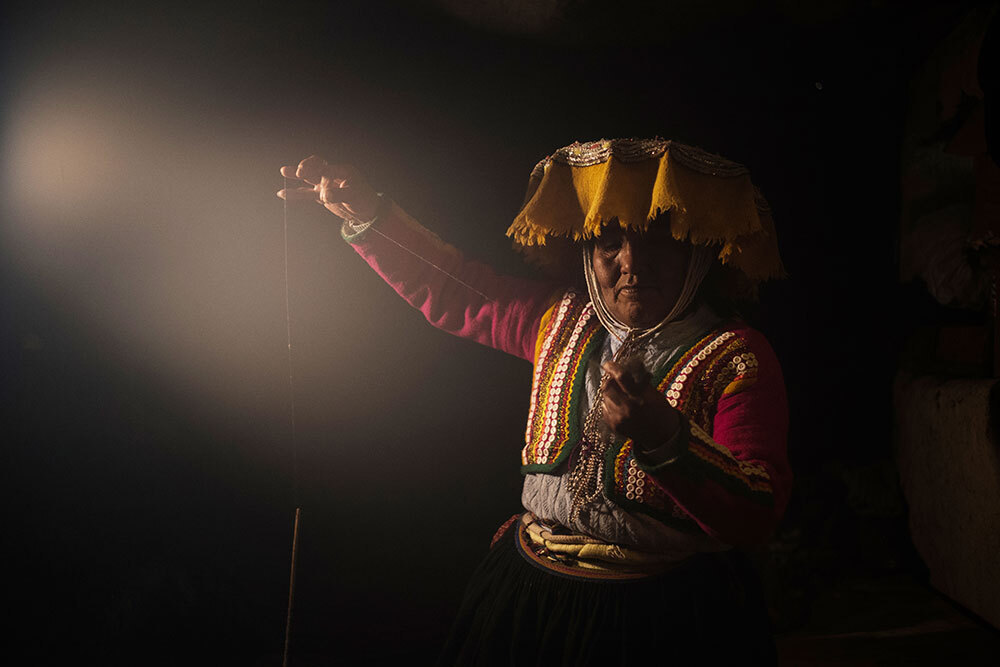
point(950, 472)
point(948, 180)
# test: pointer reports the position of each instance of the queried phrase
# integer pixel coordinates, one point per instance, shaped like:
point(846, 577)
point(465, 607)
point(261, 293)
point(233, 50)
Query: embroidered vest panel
point(565, 345)
point(718, 365)
point(715, 366)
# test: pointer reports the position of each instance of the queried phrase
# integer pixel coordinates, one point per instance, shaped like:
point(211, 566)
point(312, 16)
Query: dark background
point(147, 451)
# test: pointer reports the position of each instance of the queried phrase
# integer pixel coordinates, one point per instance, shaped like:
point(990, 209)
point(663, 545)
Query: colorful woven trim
point(718, 463)
point(717, 365)
point(631, 487)
point(574, 332)
point(693, 381)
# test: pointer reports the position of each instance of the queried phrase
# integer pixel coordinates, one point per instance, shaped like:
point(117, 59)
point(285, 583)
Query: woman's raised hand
point(635, 409)
point(339, 188)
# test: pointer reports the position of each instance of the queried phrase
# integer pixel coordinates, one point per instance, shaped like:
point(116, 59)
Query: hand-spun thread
point(291, 383)
point(433, 265)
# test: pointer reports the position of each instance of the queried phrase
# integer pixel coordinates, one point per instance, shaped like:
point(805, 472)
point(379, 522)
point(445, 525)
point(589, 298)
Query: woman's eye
point(609, 244)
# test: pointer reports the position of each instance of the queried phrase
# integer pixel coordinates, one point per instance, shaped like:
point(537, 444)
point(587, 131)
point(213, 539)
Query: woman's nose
point(632, 255)
point(626, 257)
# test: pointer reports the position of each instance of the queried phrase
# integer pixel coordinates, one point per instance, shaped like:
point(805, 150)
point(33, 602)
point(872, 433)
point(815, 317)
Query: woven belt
point(583, 557)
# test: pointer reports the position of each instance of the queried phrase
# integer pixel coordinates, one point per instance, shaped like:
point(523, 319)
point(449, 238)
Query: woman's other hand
point(339, 188)
point(635, 409)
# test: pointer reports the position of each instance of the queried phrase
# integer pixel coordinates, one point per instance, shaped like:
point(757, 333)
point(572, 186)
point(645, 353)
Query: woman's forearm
point(465, 298)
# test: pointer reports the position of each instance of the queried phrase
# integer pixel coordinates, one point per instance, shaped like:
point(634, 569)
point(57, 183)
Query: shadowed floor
point(892, 620)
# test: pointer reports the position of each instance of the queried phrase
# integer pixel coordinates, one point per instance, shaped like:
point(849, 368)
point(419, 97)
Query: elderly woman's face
point(640, 274)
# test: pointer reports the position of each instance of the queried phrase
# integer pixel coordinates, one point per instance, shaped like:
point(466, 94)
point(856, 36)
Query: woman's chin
point(640, 315)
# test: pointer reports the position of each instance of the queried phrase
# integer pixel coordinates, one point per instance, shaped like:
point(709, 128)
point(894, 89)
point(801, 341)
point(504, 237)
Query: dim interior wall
point(949, 468)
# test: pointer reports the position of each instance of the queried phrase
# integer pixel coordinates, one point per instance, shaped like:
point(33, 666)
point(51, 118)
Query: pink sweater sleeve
point(735, 483)
point(464, 298)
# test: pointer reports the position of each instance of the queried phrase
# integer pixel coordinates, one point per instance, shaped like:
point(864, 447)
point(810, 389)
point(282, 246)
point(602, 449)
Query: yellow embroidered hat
point(711, 200)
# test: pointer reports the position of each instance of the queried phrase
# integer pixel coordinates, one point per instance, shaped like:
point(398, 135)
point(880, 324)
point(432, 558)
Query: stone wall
point(949, 468)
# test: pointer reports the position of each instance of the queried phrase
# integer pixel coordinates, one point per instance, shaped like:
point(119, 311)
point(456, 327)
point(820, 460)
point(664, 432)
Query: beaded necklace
point(587, 467)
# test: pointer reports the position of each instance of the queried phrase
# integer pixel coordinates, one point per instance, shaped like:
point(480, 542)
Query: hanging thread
point(291, 588)
point(433, 265)
point(295, 458)
point(291, 404)
point(291, 383)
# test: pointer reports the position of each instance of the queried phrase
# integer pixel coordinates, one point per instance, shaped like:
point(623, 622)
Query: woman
point(656, 432)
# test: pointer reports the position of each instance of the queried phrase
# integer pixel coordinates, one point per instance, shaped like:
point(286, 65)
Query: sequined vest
point(693, 379)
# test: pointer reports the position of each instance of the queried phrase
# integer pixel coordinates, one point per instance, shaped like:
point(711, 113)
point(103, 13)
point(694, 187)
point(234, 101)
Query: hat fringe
point(711, 201)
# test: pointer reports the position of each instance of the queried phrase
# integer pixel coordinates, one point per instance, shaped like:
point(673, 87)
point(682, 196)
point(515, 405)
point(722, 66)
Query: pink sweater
point(468, 299)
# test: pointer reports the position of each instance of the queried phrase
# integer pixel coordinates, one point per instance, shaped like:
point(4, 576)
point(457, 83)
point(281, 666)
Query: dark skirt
point(515, 613)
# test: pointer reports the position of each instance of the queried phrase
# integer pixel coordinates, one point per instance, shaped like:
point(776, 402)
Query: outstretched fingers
point(331, 194)
point(340, 188)
point(314, 169)
point(323, 194)
point(299, 194)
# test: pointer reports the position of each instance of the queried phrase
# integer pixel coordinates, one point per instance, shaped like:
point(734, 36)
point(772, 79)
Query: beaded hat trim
point(635, 150)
